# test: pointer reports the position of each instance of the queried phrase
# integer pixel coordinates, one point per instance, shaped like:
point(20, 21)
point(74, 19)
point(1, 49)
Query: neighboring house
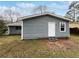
point(74, 24)
point(14, 28)
point(43, 26)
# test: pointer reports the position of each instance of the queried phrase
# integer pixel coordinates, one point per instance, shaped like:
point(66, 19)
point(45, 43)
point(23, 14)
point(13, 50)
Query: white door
point(51, 29)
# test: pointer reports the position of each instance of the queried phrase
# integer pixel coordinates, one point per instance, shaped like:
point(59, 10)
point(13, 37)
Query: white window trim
point(64, 26)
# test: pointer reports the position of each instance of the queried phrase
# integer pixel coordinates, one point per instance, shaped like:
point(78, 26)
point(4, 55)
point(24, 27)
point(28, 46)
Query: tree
point(10, 14)
point(2, 27)
point(73, 11)
point(40, 9)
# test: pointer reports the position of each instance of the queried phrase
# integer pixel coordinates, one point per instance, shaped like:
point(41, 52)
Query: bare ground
point(41, 48)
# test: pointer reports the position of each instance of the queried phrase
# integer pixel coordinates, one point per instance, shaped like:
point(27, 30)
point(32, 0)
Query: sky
point(26, 7)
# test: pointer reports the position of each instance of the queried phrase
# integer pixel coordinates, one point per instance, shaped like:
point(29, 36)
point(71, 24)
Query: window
point(18, 28)
point(62, 26)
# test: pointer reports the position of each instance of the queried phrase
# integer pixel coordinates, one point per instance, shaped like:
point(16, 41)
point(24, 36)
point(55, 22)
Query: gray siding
point(35, 28)
point(57, 27)
point(38, 27)
point(12, 30)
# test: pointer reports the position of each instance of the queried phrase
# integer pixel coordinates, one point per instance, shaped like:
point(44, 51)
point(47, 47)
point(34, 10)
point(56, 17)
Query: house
point(74, 28)
point(74, 24)
point(42, 26)
point(14, 28)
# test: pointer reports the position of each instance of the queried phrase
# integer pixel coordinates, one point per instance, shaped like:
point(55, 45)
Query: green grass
point(12, 46)
point(8, 39)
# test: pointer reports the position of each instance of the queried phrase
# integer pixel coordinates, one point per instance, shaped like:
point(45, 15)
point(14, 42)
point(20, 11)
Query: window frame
point(61, 27)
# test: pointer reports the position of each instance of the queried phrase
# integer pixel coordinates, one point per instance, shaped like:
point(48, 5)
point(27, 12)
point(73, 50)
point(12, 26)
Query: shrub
point(3, 27)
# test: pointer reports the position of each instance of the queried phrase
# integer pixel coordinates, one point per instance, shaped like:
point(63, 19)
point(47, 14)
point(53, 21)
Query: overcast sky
point(24, 7)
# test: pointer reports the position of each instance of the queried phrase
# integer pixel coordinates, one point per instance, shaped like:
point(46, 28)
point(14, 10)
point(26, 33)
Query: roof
point(74, 24)
point(18, 23)
point(36, 15)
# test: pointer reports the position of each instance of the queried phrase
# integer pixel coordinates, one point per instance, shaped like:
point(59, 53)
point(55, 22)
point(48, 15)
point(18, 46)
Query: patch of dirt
point(62, 44)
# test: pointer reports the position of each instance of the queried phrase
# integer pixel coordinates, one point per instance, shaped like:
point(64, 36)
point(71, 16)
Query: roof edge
point(41, 14)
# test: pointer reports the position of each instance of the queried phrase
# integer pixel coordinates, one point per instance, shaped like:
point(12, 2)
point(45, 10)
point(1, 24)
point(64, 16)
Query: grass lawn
point(12, 46)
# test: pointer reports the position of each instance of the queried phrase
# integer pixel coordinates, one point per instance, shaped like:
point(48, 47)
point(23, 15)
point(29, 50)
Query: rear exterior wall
point(37, 27)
